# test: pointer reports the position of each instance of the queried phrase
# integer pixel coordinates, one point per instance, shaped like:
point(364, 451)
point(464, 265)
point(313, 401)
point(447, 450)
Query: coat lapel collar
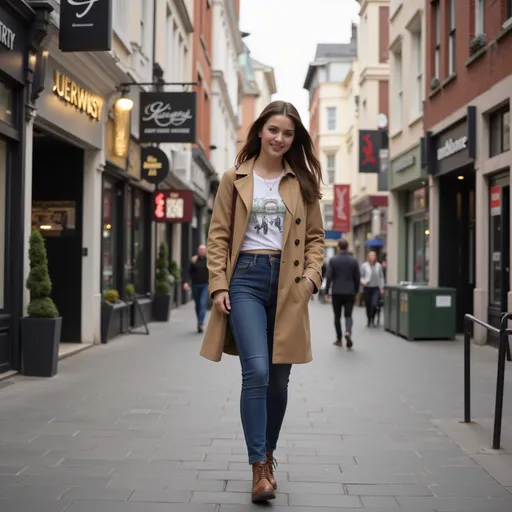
point(244, 184)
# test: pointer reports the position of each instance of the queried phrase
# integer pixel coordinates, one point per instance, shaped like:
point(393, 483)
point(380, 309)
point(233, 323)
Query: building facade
point(257, 84)
point(369, 196)
point(408, 229)
point(326, 81)
point(227, 46)
point(24, 29)
point(468, 76)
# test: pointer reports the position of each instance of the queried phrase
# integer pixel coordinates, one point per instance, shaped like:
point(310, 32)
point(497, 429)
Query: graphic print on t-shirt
point(267, 214)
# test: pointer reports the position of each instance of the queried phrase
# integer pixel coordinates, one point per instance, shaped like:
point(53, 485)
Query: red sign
point(341, 208)
point(495, 201)
point(369, 147)
point(173, 205)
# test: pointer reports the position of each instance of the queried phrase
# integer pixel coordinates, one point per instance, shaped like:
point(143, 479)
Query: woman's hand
point(221, 300)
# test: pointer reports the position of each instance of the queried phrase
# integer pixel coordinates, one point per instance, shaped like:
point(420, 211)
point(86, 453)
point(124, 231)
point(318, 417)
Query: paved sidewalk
point(144, 424)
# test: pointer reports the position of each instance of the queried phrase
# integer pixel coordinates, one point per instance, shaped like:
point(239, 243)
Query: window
point(331, 169)
point(145, 28)
point(6, 104)
point(479, 17)
point(331, 118)
point(451, 40)
point(397, 101)
point(110, 233)
point(140, 250)
point(437, 39)
point(509, 8)
point(3, 215)
point(417, 67)
point(417, 257)
point(328, 216)
point(499, 131)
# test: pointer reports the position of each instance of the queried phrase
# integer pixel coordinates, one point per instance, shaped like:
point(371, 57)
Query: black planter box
point(161, 307)
point(40, 340)
point(115, 319)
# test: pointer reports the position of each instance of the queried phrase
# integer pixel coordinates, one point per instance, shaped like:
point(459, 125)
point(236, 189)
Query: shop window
point(6, 104)
point(331, 169)
point(128, 258)
point(110, 235)
point(418, 246)
point(495, 243)
point(141, 251)
point(499, 131)
point(418, 200)
point(3, 212)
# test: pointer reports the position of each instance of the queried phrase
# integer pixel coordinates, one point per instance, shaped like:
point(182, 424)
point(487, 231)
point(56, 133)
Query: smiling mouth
point(277, 148)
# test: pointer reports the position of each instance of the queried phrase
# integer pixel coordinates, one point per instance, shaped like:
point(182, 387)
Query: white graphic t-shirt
point(266, 223)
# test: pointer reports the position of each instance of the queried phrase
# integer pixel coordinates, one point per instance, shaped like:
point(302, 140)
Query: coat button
point(297, 279)
point(296, 263)
point(297, 221)
point(297, 242)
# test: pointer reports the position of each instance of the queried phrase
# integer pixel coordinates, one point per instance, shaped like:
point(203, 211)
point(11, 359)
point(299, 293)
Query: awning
point(374, 242)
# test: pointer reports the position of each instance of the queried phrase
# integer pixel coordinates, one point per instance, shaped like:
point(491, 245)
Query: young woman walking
point(265, 256)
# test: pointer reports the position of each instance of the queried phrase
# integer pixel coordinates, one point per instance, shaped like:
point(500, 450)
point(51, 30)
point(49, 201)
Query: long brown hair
point(301, 156)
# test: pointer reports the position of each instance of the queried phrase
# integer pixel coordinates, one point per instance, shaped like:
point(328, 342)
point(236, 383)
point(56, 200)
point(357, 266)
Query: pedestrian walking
point(372, 278)
point(344, 277)
point(265, 254)
point(198, 272)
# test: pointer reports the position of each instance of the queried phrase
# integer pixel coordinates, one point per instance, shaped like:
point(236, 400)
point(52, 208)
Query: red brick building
point(468, 76)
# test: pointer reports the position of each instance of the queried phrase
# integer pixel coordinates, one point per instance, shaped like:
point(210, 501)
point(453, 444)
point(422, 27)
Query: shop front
point(126, 229)
point(370, 225)
point(18, 58)
point(452, 214)
point(66, 174)
point(409, 228)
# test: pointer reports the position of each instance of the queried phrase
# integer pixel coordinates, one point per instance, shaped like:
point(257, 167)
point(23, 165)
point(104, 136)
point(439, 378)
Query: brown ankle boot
point(262, 489)
point(272, 464)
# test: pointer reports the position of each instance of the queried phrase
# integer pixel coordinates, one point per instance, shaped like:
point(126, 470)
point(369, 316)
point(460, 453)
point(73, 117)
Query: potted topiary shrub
point(162, 299)
point(109, 300)
point(40, 330)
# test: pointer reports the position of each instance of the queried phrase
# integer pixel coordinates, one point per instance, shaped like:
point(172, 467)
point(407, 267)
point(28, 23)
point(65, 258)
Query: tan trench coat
point(302, 255)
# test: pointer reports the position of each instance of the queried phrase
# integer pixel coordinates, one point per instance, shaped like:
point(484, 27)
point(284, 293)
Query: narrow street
point(143, 424)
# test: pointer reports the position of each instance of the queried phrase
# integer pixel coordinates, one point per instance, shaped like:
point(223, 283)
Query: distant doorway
point(57, 204)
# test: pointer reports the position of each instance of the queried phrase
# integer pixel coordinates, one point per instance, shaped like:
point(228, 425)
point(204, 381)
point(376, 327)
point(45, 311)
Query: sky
point(285, 33)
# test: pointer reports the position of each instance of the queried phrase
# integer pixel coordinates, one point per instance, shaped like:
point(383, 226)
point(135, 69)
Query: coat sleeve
point(314, 244)
point(357, 276)
point(219, 234)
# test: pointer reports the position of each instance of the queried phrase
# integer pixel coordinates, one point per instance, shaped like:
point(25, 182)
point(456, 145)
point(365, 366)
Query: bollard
point(467, 372)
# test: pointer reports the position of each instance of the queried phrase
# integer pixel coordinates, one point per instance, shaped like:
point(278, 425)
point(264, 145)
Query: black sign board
point(12, 46)
point(85, 25)
point(369, 147)
point(167, 117)
point(154, 165)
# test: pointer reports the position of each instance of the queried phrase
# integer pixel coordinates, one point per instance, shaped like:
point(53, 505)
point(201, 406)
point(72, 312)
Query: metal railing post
point(500, 381)
point(467, 372)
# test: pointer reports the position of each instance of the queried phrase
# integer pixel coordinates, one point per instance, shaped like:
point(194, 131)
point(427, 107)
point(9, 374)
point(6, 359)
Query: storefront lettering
point(451, 147)
point(162, 115)
point(403, 163)
point(72, 93)
point(7, 36)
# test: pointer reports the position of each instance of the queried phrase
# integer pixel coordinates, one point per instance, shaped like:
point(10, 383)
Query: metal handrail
point(503, 353)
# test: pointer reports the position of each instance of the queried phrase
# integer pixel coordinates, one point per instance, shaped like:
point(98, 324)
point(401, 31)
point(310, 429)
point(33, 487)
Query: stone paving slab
point(143, 424)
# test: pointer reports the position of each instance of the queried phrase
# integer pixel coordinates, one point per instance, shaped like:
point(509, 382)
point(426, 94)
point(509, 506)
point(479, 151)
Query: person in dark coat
point(344, 277)
point(198, 272)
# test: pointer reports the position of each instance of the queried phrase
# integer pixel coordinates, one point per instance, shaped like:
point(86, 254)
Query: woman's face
point(277, 136)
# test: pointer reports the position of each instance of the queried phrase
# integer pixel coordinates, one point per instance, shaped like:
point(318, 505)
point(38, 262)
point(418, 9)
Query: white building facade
point(227, 46)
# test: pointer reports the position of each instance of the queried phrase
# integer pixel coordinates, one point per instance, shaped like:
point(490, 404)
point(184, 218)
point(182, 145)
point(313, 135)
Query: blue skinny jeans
point(253, 297)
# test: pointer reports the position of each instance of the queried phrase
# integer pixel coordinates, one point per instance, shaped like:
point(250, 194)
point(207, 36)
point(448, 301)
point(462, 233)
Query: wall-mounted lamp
point(460, 177)
point(124, 103)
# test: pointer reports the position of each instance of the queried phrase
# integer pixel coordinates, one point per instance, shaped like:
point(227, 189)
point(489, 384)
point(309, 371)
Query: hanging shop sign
point(69, 91)
point(341, 209)
point(85, 25)
point(173, 205)
point(154, 165)
point(369, 146)
point(167, 117)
